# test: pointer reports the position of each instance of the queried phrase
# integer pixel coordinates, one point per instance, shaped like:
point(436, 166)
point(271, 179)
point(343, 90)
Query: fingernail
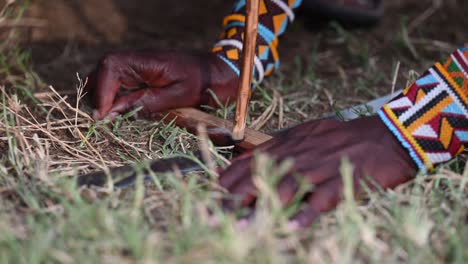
point(112, 116)
point(293, 225)
point(96, 115)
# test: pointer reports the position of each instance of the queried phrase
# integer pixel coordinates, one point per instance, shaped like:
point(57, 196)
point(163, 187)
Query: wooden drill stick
point(248, 55)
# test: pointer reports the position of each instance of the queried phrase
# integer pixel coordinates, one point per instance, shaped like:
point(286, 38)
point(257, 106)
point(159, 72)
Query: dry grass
point(45, 218)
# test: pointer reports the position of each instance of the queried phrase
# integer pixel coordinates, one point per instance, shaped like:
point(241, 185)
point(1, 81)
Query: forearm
point(274, 17)
point(430, 117)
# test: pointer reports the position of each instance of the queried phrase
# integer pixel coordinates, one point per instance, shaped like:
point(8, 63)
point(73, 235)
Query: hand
point(317, 148)
point(158, 81)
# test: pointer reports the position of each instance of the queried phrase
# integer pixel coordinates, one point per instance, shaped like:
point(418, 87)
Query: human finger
point(324, 198)
point(153, 100)
point(105, 91)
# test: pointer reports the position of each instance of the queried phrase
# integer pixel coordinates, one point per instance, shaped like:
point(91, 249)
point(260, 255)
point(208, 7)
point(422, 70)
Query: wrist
point(405, 139)
point(429, 117)
point(393, 143)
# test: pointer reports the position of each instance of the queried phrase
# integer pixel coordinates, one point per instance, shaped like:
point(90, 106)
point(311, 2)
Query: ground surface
point(325, 67)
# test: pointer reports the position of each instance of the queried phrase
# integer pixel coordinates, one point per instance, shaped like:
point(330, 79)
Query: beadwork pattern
point(274, 17)
point(430, 117)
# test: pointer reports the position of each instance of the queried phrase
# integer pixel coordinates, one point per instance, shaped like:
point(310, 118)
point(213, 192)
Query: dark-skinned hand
point(317, 148)
point(158, 81)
